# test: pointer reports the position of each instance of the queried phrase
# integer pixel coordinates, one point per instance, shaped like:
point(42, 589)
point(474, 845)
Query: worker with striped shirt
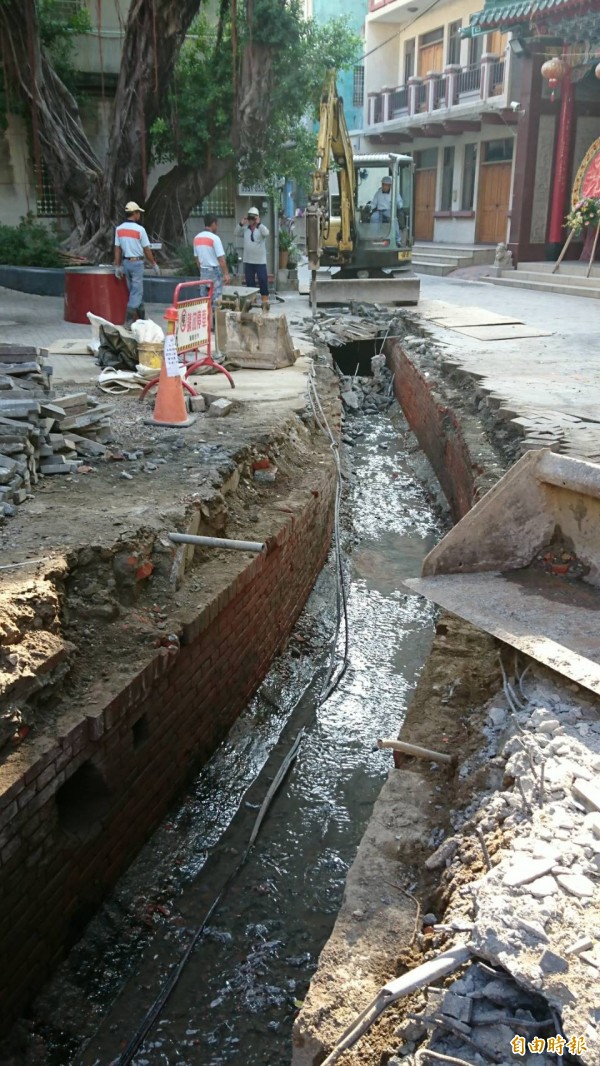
point(132, 248)
point(209, 251)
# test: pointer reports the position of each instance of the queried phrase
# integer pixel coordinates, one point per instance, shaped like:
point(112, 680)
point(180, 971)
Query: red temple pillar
point(561, 183)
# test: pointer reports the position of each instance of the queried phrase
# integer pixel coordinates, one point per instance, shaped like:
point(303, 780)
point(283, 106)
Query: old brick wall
point(75, 816)
point(438, 430)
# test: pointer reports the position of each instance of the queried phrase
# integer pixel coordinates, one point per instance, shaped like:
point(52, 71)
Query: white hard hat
point(132, 206)
point(254, 211)
point(386, 180)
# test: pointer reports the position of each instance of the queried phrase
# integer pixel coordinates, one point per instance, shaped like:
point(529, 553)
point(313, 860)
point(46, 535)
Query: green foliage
point(200, 110)
point(188, 264)
point(200, 103)
point(232, 259)
point(58, 25)
point(286, 240)
point(30, 244)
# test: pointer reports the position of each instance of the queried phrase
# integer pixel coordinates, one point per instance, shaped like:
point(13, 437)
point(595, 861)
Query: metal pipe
point(218, 542)
point(414, 749)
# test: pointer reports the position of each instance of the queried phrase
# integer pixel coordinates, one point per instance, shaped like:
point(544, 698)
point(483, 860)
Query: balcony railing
point(497, 78)
point(436, 92)
point(399, 100)
point(469, 80)
point(440, 90)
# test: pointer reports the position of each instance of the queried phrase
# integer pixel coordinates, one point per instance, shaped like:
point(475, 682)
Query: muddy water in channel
point(237, 998)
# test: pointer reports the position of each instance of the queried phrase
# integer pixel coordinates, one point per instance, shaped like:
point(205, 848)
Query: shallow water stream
point(237, 998)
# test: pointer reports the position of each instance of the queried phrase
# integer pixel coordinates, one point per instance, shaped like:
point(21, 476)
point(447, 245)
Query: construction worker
point(255, 253)
point(132, 247)
point(209, 251)
point(381, 204)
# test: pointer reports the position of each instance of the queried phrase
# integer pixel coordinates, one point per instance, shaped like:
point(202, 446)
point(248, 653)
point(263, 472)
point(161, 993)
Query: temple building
point(555, 46)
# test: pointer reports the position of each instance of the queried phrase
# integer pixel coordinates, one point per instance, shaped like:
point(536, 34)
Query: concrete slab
point(471, 316)
point(285, 387)
point(68, 347)
point(538, 377)
point(510, 331)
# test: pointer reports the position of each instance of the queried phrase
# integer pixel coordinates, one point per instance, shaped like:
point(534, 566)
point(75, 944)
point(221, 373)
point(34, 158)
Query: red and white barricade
point(193, 332)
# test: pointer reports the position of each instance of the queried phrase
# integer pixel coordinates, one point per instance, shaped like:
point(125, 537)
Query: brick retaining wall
point(439, 432)
point(79, 811)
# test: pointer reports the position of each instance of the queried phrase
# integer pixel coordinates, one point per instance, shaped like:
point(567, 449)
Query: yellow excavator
point(359, 223)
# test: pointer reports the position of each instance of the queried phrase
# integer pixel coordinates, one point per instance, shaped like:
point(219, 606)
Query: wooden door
point(496, 43)
point(431, 58)
point(492, 202)
point(424, 204)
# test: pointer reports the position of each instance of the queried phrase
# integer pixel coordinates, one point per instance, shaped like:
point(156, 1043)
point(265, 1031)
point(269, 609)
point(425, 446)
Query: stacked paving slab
point(41, 434)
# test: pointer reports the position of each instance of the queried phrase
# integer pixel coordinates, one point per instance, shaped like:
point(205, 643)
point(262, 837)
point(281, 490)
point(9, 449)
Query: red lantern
point(554, 70)
point(597, 71)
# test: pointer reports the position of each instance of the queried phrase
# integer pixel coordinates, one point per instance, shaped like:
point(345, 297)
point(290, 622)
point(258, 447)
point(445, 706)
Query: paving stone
point(587, 793)
point(592, 822)
point(543, 886)
point(584, 944)
point(459, 1007)
point(525, 870)
point(553, 963)
point(576, 884)
point(219, 408)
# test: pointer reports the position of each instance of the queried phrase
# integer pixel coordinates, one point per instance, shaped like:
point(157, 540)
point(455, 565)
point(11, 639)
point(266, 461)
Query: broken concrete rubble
point(37, 432)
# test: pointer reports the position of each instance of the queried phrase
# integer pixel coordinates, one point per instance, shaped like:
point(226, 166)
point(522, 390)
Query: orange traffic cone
point(170, 408)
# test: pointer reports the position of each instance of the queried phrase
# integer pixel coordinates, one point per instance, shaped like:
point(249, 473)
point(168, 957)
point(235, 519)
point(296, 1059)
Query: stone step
point(477, 255)
point(517, 282)
point(452, 261)
point(436, 269)
point(578, 280)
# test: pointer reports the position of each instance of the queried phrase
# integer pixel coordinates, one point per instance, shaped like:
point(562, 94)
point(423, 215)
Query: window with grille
point(447, 179)
point(469, 171)
point(454, 42)
point(220, 201)
point(47, 205)
point(358, 87)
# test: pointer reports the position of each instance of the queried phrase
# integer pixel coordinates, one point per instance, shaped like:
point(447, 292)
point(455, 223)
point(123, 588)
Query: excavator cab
point(384, 210)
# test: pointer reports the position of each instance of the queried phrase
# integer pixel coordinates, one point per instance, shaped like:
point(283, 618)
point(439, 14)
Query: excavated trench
point(244, 983)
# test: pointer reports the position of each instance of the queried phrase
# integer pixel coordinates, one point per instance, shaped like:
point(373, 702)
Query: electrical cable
point(328, 687)
point(161, 1000)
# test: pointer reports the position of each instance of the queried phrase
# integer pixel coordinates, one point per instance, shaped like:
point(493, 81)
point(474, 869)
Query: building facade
point(558, 123)
point(446, 101)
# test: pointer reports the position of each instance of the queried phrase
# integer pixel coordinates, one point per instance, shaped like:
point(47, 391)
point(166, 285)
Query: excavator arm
point(333, 146)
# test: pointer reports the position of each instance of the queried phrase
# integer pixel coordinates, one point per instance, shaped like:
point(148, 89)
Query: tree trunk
point(58, 135)
point(154, 33)
point(180, 190)
point(177, 193)
point(95, 194)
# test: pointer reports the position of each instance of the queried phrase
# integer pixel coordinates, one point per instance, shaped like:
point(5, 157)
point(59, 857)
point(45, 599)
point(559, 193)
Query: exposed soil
point(110, 588)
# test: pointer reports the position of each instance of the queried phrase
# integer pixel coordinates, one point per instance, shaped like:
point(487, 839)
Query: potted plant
point(286, 242)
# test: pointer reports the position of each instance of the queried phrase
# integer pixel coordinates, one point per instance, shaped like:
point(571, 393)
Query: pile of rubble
point(40, 435)
point(532, 921)
point(366, 395)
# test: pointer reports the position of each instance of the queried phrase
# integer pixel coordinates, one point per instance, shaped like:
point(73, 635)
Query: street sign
point(193, 324)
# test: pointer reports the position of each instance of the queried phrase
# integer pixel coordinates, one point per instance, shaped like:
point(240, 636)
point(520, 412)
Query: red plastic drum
point(94, 289)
